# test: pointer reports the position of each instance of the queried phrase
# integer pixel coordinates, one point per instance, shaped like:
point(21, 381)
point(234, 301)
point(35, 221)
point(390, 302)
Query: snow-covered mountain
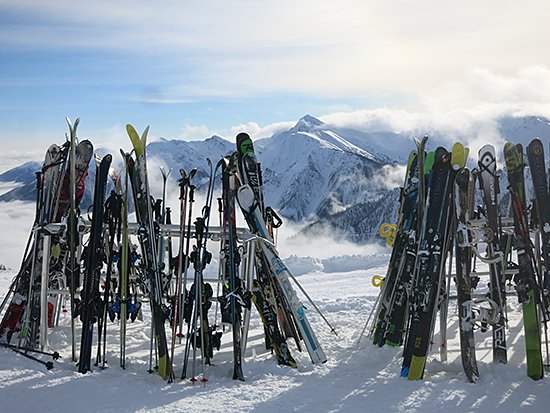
point(339, 180)
point(312, 170)
point(24, 182)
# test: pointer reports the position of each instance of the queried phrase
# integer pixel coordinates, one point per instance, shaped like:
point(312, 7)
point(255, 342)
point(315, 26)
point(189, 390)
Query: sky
point(191, 69)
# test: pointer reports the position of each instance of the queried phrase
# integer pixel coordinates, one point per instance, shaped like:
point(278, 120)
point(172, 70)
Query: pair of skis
point(137, 170)
point(530, 293)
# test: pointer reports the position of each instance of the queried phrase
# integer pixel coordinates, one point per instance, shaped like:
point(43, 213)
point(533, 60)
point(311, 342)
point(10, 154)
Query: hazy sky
point(194, 68)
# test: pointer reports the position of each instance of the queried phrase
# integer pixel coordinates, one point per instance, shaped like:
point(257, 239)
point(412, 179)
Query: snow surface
point(356, 378)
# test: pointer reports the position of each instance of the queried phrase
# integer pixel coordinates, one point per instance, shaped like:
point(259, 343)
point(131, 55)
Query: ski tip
point(243, 135)
point(244, 143)
point(130, 129)
point(487, 148)
point(221, 163)
point(145, 132)
point(143, 138)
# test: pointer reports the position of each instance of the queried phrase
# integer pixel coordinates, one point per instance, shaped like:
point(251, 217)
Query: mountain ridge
point(334, 178)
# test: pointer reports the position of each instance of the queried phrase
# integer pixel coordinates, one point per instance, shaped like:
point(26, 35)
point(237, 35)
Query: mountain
point(337, 180)
point(24, 179)
point(310, 171)
point(524, 129)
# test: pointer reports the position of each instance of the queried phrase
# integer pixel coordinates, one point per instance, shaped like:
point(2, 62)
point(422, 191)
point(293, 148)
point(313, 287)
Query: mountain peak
point(306, 123)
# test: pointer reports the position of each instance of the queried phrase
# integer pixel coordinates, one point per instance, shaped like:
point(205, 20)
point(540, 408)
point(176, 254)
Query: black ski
point(233, 295)
point(535, 154)
point(430, 264)
point(489, 184)
point(90, 297)
point(464, 199)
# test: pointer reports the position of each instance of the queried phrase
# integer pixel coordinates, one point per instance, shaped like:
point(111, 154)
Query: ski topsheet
point(526, 286)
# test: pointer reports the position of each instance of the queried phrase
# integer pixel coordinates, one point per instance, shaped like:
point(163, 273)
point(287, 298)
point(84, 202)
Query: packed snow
point(357, 376)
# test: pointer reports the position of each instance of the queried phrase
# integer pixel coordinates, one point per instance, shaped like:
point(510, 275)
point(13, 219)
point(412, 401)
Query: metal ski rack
point(214, 234)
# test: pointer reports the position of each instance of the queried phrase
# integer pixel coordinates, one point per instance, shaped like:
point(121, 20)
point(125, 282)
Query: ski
point(489, 185)
point(232, 299)
point(200, 294)
point(525, 282)
point(250, 201)
point(429, 266)
point(267, 295)
point(94, 257)
point(394, 294)
point(464, 199)
point(398, 236)
point(535, 154)
point(124, 265)
point(146, 234)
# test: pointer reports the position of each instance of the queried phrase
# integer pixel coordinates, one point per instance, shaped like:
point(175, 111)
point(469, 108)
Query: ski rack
point(506, 227)
point(215, 233)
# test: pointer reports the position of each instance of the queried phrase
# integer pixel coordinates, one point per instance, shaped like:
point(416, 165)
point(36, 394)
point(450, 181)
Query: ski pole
point(48, 364)
point(332, 329)
point(368, 319)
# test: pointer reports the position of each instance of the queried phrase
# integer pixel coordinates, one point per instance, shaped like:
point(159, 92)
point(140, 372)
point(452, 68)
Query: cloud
point(390, 176)
point(323, 48)
point(17, 217)
point(256, 131)
point(527, 87)
point(195, 132)
point(252, 128)
point(466, 110)
point(291, 242)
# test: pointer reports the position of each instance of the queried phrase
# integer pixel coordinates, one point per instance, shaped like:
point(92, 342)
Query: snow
point(356, 378)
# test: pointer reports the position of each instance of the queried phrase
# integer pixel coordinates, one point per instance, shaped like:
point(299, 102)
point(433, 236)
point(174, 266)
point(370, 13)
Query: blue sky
point(194, 68)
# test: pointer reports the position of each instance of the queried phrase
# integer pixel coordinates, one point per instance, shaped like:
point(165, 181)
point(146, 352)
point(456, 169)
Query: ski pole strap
point(387, 229)
point(378, 281)
point(273, 218)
